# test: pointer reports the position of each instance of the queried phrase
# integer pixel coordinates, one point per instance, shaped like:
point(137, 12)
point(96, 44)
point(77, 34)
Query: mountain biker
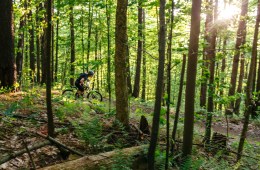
point(79, 83)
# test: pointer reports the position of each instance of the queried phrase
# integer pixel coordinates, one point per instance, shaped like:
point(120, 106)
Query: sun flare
point(228, 12)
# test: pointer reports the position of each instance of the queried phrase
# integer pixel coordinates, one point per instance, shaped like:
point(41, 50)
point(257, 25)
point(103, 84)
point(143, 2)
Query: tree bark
point(94, 162)
point(176, 118)
point(249, 97)
point(7, 60)
point(240, 41)
point(48, 69)
point(191, 78)
point(139, 50)
point(169, 65)
point(31, 41)
point(108, 54)
point(122, 112)
point(72, 46)
point(159, 84)
point(211, 57)
point(144, 61)
point(20, 46)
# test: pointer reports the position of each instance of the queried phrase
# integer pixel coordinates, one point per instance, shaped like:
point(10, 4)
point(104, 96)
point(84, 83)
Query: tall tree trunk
point(144, 61)
point(122, 112)
point(240, 84)
point(52, 47)
point(249, 97)
point(206, 48)
point(90, 18)
point(241, 35)
point(57, 42)
point(31, 40)
point(109, 52)
point(176, 118)
point(43, 50)
point(139, 50)
point(211, 56)
point(20, 46)
point(82, 39)
point(72, 46)
point(48, 69)
point(129, 84)
point(169, 65)
point(159, 84)
point(191, 78)
point(7, 60)
point(38, 37)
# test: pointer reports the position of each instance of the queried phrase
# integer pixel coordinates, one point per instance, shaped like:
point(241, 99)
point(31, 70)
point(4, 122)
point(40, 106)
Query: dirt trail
point(235, 126)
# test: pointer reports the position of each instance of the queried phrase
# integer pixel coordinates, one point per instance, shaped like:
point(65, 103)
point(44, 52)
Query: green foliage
point(122, 161)
point(89, 129)
point(71, 109)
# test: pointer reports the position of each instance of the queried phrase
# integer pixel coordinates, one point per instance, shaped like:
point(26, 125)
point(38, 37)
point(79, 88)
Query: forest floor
point(23, 115)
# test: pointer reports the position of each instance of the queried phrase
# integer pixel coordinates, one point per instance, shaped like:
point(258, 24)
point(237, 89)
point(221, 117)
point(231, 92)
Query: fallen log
point(94, 162)
point(8, 157)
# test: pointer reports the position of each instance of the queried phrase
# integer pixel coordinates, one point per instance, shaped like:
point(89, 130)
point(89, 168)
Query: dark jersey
point(82, 75)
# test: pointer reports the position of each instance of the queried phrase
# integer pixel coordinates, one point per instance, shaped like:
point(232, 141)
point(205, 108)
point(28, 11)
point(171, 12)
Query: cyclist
point(79, 83)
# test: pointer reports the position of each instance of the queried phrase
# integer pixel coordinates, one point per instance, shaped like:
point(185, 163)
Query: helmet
point(90, 72)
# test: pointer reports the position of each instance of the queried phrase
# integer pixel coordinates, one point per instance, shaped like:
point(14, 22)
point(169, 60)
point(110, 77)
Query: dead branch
point(60, 144)
point(8, 157)
point(30, 156)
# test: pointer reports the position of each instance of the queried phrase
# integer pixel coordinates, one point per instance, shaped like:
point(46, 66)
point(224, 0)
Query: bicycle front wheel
point(68, 94)
point(94, 95)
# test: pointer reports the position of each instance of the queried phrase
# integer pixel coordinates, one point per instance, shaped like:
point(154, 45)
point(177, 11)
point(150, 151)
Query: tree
point(240, 41)
point(48, 69)
point(139, 50)
point(31, 39)
point(72, 46)
point(7, 61)
point(159, 84)
point(211, 55)
point(108, 53)
point(191, 78)
point(122, 112)
point(20, 46)
point(249, 97)
point(169, 65)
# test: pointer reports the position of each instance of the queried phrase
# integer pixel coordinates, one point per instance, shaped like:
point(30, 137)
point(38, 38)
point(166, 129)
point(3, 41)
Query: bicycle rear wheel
point(94, 95)
point(68, 94)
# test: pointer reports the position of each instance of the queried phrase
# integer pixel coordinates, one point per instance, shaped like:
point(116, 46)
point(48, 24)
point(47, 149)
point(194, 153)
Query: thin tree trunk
point(20, 46)
point(191, 78)
point(159, 84)
point(31, 40)
point(211, 56)
point(139, 51)
point(240, 84)
point(176, 118)
point(38, 37)
point(57, 42)
point(241, 35)
point(249, 97)
point(48, 70)
point(168, 102)
point(90, 18)
point(108, 53)
point(144, 61)
point(72, 46)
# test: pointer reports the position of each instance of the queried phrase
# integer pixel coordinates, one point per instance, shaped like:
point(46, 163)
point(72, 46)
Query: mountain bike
point(90, 94)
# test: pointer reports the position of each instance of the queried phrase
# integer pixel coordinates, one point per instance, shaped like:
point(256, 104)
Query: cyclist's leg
point(80, 90)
